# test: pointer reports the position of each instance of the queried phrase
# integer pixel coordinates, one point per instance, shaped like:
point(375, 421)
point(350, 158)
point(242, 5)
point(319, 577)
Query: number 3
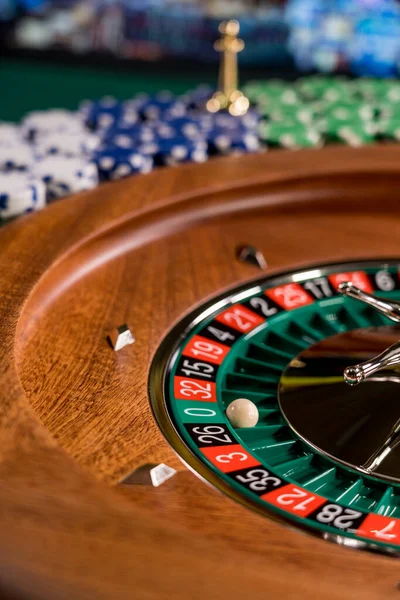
point(226, 458)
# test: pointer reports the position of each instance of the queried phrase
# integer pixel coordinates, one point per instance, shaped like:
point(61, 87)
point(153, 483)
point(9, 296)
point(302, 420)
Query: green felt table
point(36, 85)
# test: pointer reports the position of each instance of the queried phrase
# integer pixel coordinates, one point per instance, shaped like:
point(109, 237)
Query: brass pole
point(228, 96)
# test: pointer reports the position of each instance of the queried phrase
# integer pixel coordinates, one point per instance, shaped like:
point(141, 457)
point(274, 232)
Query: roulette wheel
point(121, 474)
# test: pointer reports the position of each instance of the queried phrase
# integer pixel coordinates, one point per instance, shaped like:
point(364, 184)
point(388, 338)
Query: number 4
point(221, 335)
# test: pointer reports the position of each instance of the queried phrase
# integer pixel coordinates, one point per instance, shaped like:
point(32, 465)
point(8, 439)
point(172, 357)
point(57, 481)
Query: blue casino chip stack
point(163, 130)
point(60, 152)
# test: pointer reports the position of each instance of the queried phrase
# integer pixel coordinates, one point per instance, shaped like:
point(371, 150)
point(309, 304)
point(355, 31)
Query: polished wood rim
point(151, 249)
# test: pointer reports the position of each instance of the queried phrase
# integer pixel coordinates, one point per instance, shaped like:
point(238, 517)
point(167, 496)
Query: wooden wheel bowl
point(75, 418)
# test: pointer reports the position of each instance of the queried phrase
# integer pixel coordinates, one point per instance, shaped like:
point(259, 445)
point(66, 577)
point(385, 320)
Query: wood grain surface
point(75, 417)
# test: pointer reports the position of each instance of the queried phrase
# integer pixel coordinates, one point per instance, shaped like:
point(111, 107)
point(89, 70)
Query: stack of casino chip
point(10, 134)
point(136, 135)
point(225, 142)
point(106, 113)
point(20, 193)
point(50, 121)
point(382, 90)
point(176, 139)
point(68, 144)
point(68, 151)
point(109, 113)
point(349, 123)
point(270, 92)
point(164, 131)
point(132, 155)
point(318, 110)
point(389, 127)
point(64, 175)
point(116, 163)
point(61, 146)
point(161, 106)
point(226, 134)
point(15, 152)
point(290, 135)
point(16, 157)
point(197, 98)
point(219, 133)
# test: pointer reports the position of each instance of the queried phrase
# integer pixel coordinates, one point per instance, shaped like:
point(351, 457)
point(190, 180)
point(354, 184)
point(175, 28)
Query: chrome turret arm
point(389, 308)
point(389, 358)
point(391, 442)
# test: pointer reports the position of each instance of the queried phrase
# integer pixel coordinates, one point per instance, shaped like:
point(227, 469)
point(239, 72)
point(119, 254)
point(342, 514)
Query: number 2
point(262, 304)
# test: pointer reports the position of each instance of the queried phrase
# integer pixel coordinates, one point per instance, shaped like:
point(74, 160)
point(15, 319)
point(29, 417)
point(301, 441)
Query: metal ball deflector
point(390, 358)
point(359, 425)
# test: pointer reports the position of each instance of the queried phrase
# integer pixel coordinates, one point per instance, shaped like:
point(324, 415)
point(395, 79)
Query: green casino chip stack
point(382, 90)
point(272, 92)
point(331, 89)
point(299, 112)
point(290, 134)
point(318, 110)
point(389, 128)
point(349, 123)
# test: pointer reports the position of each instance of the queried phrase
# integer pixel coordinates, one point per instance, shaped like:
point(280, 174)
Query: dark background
point(55, 53)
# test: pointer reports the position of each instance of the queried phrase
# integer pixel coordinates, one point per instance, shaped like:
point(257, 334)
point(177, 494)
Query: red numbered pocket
point(193, 389)
point(230, 458)
point(357, 278)
point(205, 349)
point(240, 318)
point(290, 296)
point(380, 528)
point(295, 500)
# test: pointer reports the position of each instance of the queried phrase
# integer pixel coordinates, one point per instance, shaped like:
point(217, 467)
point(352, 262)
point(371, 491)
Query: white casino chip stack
point(66, 144)
point(66, 175)
point(57, 120)
point(16, 155)
point(20, 193)
point(10, 135)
